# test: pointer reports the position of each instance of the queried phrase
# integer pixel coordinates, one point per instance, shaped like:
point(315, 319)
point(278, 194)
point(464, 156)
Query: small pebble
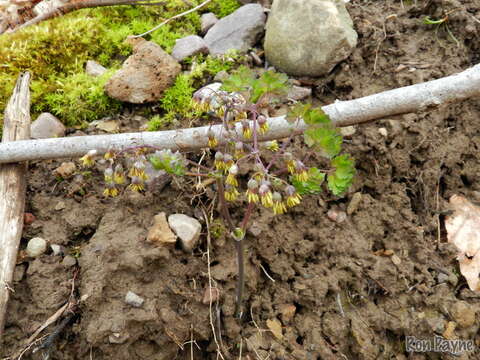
point(348, 131)
point(28, 218)
point(133, 299)
point(36, 247)
point(94, 69)
point(354, 203)
point(206, 295)
point(463, 313)
point(336, 215)
point(65, 170)
point(56, 249)
point(60, 206)
point(383, 132)
point(187, 229)
point(160, 233)
point(441, 278)
point(69, 261)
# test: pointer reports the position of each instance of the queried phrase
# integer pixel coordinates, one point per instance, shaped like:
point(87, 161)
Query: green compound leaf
point(316, 117)
point(241, 80)
point(298, 111)
point(170, 162)
point(312, 185)
point(342, 178)
point(270, 82)
point(327, 139)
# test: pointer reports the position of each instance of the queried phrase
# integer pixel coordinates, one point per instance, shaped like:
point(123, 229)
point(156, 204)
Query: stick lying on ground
point(414, 98)
point(12, 190)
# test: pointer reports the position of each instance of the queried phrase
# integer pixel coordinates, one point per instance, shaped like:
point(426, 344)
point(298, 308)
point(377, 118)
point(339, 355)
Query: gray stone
point(46, 126)
point(69, 261)
point(187, 229)
point(94, 69)
point(145, 75)
point(19, 272)
point(188, 46)
point(463, 313)
point(238, 31)
point(133, 299)
point(298, 93)
point(207, 21)
point(308, 37)
point(36, 247)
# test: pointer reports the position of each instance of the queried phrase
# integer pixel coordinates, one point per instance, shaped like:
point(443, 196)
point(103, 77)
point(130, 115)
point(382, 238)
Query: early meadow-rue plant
point(245, 168)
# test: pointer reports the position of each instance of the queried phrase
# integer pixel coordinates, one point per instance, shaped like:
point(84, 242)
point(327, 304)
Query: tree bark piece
point(414, 98)
point(12, 190)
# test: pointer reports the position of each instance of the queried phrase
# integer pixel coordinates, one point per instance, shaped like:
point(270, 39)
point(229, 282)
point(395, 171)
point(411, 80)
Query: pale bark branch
point(12, 190)
point(414, 98)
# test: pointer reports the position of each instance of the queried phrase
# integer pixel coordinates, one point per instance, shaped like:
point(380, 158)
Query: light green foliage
point(172, 163)
point(341, 179)
point(313, 185)
point(322, 136)
point(79, 98)
point(223, 7)
point(177, 100)
point(245, 82)
point(55, 51)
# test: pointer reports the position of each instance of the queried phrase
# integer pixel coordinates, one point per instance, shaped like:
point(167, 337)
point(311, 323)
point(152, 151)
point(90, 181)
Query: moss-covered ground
point(55, 52)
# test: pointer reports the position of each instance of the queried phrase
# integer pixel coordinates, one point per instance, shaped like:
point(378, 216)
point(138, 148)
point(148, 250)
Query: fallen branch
point(12, 190)
point(77, 5)
point(173, 18)
point(414, 98)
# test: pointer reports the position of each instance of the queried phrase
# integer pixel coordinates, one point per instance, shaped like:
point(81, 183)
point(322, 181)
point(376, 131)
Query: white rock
point(46, 126)
point(36, 247)
point(383, 131)
point(133, 299)
point(207, 21)
point(188, 46)
point(56, 249)
point(94, 69)
point(187, 229)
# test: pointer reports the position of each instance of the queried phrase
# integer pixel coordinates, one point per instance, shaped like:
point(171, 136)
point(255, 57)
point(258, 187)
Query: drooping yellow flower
point(262, 124)
point(232, 176)
point(252, 191)
point(136, 184)
point(110, 191)
point(278, 205)
point(88, 159)
point(273, 145)
point(231, 193)
point(293, 198)
point(265, 195)
point(138, 170)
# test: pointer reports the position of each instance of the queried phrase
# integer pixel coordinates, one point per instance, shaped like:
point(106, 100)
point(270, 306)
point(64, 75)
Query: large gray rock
point(46, 126)
point(145, 75)
point(308, 37)
point(188, 46)
point(239, 31)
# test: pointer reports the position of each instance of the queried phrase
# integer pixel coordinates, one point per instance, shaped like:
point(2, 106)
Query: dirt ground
point(332, 287)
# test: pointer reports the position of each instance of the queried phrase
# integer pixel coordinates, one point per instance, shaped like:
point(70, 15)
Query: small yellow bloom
point(291, 166)
point(273, 145)
point(212, 142)
point(231, 180)
point(89, 158)
point(138, 170)
point(293, 200)
point(263, 128)
point(110, 191)
point(252, 196)
point(279, 207)
point(118, 178)
point(109, 155)
point(231, 194)
point(136, 187)
point(301, 176)
point(267, 199)
point(247, 133)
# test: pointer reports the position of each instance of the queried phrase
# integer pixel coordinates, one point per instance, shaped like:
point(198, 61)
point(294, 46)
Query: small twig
point(339, 302)
point(266, 273)
point(173, 18)
point(207, 222)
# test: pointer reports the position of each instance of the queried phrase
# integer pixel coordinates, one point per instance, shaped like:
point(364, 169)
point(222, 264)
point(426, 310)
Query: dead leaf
point(276, 328)
point(463, 230)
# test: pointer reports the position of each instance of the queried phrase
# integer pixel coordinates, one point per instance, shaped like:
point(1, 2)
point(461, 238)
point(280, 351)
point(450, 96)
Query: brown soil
point(336, 293)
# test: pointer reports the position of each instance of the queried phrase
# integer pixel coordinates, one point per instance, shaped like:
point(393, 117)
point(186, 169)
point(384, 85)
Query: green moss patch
point(55, 52)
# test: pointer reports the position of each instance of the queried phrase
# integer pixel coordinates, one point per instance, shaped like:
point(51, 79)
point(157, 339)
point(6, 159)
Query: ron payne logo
point(438, 344)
